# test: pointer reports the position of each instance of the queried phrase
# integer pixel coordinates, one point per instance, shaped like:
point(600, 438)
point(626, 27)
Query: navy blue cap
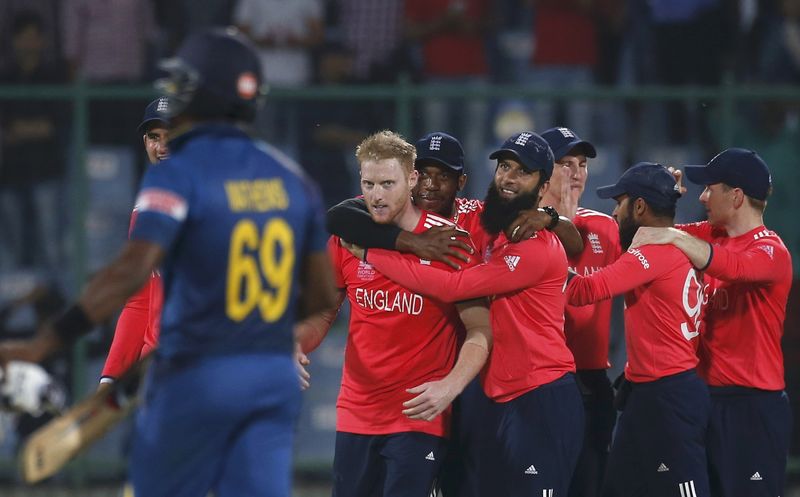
point(651, 181)
point(563, 140)
point(442, 149)
point(736, 167)
point(530, 150)
point(155, 111)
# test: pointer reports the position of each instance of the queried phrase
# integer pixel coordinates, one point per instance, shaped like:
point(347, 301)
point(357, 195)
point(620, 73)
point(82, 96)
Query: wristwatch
point(549, 209)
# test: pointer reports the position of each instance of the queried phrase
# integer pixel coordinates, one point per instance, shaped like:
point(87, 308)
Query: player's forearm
point(569, 235)
point(350, 221)
point(310, 332)
point(472, 357)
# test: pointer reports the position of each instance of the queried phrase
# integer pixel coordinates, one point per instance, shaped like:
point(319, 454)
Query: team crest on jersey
point(365, 272)
point(594, 242)
point(769, 250)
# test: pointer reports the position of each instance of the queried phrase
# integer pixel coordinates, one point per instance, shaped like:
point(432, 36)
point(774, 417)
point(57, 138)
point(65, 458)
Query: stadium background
point(669, 81)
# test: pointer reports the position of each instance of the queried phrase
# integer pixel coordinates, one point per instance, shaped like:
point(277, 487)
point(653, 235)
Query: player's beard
point(498, 213)
point(628, 228)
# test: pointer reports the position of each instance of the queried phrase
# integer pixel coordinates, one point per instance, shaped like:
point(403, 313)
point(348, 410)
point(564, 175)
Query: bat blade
point(52, 446)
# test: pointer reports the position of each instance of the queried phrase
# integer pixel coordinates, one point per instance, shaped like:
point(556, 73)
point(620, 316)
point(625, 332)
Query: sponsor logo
point(531, 470)
point(662, 468)
point(756, 477)
point(769, 250)
point(640, 257)
point(511, 262)
point(430, 457)
point(687, 489)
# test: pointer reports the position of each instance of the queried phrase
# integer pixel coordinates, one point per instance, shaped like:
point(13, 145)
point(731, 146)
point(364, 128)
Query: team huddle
point(477, 351)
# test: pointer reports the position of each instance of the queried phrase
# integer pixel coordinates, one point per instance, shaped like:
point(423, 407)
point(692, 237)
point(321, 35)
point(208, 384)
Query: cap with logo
point(563, 141)
point(154, 112)
point(736, 167)
point(442, 149)
point(648, 180)
point(530, 150)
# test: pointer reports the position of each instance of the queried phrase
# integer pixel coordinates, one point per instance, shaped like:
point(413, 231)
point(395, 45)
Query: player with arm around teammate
point(238, 229)
point(534, 426)
point(587, 328)
point(659, 442)
point(136, 332)
point(400, 368)
point(749, 273)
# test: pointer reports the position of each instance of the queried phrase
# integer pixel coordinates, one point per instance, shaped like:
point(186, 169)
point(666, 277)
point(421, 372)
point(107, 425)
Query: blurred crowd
point(549, 44)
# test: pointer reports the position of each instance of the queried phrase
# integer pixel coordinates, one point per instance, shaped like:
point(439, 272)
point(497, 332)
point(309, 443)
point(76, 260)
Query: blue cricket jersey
point(236, 218)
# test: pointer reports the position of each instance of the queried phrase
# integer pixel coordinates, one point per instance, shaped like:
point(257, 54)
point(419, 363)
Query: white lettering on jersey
point(692, 287)
point(640, 256)
point(387, 301)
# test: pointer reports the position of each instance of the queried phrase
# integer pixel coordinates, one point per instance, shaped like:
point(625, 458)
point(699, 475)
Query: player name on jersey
point(260, 195)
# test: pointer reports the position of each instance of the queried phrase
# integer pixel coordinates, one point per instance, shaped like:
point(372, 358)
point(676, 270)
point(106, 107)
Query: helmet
point(215, 74)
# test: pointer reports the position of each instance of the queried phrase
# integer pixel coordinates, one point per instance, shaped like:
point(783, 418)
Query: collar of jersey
point(218, 129)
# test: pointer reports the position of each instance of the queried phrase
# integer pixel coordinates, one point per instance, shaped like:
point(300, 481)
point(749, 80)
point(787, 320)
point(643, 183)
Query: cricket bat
point(53, 445)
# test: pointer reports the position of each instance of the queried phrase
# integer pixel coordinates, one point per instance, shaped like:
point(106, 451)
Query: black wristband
point(72, 324)
point(710, 257)
point(549, 209)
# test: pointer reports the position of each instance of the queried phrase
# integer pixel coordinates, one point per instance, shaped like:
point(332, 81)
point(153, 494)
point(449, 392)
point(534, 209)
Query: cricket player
point(400, 369)
point(136, 333)
point(238, 232)
point(587, 327)
point(534, 425)
point(659, 445)
point(749, 272)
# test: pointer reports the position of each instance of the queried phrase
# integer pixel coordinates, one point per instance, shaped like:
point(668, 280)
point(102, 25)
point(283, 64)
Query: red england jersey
point(525, 285)
point(587, 327)
point(751, 276)
point(663, 305)
point(136, 333)
point(468, 216)
point(397, 340)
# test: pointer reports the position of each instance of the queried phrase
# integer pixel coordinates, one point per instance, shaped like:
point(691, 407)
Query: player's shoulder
point(586, 216)
point(769, 241)
point(664, 256)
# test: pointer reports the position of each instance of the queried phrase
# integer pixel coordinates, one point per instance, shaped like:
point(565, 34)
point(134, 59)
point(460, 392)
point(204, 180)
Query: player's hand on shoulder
point(647, 235)
point(527, 223)
point(447, 244)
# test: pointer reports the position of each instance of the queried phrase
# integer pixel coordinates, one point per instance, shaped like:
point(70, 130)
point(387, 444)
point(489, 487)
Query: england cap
point(155, 111)
point(440, 148)
point(736, 167)
point(648, 180)
point(530, 150)
point(563, 141)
